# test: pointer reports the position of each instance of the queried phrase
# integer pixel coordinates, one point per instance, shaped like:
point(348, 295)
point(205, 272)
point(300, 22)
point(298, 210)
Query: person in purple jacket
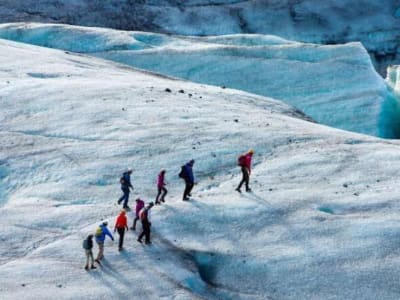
point(161, 183)
point(187, 175)
point(139, 206)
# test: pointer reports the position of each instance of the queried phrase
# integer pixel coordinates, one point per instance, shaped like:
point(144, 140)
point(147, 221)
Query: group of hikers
point(142, 211)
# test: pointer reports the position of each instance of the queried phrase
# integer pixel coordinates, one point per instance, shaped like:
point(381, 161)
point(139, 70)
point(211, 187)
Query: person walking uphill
point(146, 224)
point(101, 233)
point(244, 161)
point(139, 206)
point(126, 185)
point(120, 225)
point(88, 246)
point(161, 187)
point(187, 175)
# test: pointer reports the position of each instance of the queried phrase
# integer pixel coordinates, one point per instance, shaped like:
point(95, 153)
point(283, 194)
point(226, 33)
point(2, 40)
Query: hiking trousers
point(245, 178)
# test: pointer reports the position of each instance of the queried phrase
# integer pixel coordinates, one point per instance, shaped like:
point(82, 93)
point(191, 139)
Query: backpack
point(99, 232)
point(242, 160)
point(85, 244)
point(122, 180)
point(182, 172)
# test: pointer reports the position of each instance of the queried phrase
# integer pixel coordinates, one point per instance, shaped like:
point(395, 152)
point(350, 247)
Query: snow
point(334, 85)
point(321, 222)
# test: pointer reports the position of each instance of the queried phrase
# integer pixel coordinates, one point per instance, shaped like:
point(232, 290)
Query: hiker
point(161, 183)
point(187, 175)
point(244, 161)
point(146, 224)
point(88, 246)
point(101, 233)
point(126, 185)
point(120, 225)
point(139, 206)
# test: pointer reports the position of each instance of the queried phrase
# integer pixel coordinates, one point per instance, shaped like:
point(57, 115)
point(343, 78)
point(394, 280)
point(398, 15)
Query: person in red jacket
point(120, 225)
point(244, 162)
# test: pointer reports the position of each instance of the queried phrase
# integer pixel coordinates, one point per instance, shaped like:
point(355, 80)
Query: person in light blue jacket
point(101, 233)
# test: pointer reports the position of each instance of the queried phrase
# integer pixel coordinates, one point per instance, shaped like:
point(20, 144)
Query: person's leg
point(247, 179)
point(126, 198)
point(121, 232)
point(165, 192)
point(91, 259)
point(101, 251)
point(243, 179)
point(158, 195)
point(87, 259)
point(143, 232)
point(148, 232)
point(134, 223)
point(186, 191)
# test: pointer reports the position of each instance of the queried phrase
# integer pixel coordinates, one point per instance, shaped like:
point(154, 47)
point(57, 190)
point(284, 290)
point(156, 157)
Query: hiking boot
point(120, 249)
point(86, 267)
point(238, 190)
point(248, 190)
point(162, 200)
point(140, 241)
point(186, 199)
point(148, 242)
point(132, 228)
point(93, 267)
point(158, 202)
point(119, 202)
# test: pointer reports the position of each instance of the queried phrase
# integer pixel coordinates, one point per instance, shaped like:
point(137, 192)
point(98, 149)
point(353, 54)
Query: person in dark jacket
point(244, 163)
point(88, 246)
point(161, 183)
point(146, 223)
point(101, 234)
point(126, 185)
point(121, 224)
point(187, 175)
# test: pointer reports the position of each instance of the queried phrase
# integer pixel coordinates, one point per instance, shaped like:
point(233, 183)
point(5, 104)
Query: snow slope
point(374, 23)
point(321, 222)
point(334, 85)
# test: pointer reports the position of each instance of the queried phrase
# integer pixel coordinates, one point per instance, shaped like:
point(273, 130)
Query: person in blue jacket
point(187, 175)
point(101, 233)
point(126, 185)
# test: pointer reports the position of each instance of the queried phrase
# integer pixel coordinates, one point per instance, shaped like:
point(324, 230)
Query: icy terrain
point(375, 23)
point(334, 85)
point(321, 223)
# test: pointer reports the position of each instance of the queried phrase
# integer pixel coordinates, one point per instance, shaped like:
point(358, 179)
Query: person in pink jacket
point(139, 206)
point(244, 161)
point(161, 183)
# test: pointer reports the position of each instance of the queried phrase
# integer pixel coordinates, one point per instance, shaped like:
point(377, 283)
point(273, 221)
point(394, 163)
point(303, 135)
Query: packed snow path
point(321, 223)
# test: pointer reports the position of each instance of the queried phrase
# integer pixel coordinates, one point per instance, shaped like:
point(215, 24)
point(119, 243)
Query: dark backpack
point(242, 160)
point(122, 180)
point(182, 173)
point(85, 244)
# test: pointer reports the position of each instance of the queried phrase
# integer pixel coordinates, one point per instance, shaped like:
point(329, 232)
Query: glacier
point(321, 223)
point(335, 85)
point(375, 24)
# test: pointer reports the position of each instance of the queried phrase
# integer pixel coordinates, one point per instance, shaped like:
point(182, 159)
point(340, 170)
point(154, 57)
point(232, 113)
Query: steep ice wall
point(375, 23)
point(334, 85)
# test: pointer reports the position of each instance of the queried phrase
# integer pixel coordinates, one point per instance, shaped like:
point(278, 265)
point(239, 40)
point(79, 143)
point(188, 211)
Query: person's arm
point(107, 232)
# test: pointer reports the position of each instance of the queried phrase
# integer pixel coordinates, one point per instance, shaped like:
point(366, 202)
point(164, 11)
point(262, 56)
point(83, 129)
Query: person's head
point(251, 151)
point(123, 211)
point(130, 171)
point(151, 204)
point(163, 171)
point(90, 236)
point(105, 223)
point(191, 162)
point(138, 200)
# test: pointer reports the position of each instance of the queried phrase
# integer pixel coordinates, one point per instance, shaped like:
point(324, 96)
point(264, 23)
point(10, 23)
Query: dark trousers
point(134, 222)
point(245, 178)
point(146, 231)
point(188, 189)
point(161, 191)
point(121, 232)
point(125, 196)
